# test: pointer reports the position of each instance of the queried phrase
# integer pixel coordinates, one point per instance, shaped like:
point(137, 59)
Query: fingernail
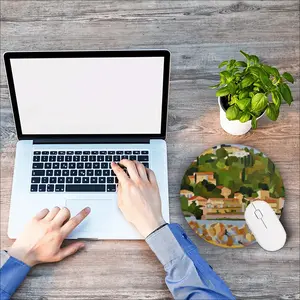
point(81, 246)
point(87, 209)
point(113, 163)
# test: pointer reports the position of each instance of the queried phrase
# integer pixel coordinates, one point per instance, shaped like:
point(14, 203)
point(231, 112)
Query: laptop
point(75, 113)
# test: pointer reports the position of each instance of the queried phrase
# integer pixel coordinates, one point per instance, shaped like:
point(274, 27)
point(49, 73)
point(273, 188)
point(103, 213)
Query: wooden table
point(200, 34)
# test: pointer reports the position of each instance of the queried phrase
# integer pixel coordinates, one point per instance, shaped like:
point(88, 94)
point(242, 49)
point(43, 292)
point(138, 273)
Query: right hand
point(138, 196)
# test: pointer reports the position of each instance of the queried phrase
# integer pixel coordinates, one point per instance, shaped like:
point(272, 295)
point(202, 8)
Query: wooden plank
point(199, 35)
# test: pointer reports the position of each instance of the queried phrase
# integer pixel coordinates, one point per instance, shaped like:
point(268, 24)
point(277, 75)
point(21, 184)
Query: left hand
point(43, 235)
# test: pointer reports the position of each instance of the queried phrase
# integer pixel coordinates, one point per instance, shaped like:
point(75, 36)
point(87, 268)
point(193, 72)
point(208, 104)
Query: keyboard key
point(128, 152)
point(57, 173)
point(86, 152)
point(103, 152)
point(124, 157)
point(72, 165)
point(110, 180)
point(60, 158)
point(98, 172)
point(64, 166)
point(85, 188)
point(132, 157)
point(36, 158)
point(79, 165)
point(50, 187)
point(53, 152)
point(70, 152)
point(65, 173)
point(92, 158)
point(42, 187)
point(78, 152)
point(104, 165)
point(84, 158)
point(77, 179)
point(85, 180)
point(49, 173)
point(112, 173)
point(108, 158)
point(116, 180)
point(44, 158)
point(145, 152)
point(61, 152)
point(52, 158)
point(52, 179)
point(111, 188)
point(61, 180)
point(146, 165)
point(90, 173)
point(69, 180)
point(116, 158)
point(45, 179)
point(95, 152)
point(106, 173)
point(111, 152)
point(101, 179)
point(35, 180)
point(47, 165)
point(88, 165)
point(143, 158)
point(136, 152)
point(96, 165)
point(37, 166)
point(76, 158)
point(37, 152)
point(93, 179)
point(68, 158)
point(81, 173)
point(55, 166)
point(120, 152)
point(45, 152)
point(59, 188)
point(38, 173)
point(73, 172)
point(33, 188)
point(100, 158)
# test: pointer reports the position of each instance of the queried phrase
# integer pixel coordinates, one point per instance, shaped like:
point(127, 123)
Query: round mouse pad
point(218, 186)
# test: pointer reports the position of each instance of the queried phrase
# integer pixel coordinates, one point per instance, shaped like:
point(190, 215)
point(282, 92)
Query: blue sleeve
point(12, 274)
point(189, 276)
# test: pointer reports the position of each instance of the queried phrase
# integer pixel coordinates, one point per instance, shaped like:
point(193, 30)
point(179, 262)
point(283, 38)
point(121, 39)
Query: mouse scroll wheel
point(258, 214)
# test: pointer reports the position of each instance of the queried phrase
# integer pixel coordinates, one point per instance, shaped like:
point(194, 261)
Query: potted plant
point(249, 89)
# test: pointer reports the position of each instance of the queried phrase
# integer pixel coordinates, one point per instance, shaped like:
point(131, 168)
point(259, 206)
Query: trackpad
point(95, 222)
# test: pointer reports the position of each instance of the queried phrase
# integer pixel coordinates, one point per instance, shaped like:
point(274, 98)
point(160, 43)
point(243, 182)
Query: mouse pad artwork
point(218, 186)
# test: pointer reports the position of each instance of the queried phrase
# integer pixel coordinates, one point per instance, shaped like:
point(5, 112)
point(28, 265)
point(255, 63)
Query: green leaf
point(266, 81)
point(243, 94)
point(256, 71)
point(254, 122)
point(226, 74)
point(259, 102)
point(245, 54)
point(241, 64)
point(245, 117)
point(286, 93)
point(288, 77)
point(276, 97)
point(272, 112)
point(233, 99)
point(222, 64)
point(232, 113)
point(243, 103)
point(254, 59)
point(248, 80)
point(271, 71)
point(231, 87)
point(215, 86)
point(222, 92)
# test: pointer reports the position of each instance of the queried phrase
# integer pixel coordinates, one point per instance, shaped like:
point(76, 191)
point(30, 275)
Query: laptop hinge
point(93, 141)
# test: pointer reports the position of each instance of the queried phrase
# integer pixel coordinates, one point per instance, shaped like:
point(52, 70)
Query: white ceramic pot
point(233, 127)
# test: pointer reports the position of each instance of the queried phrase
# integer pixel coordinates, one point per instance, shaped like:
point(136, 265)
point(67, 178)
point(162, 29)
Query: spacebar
point(85, 188)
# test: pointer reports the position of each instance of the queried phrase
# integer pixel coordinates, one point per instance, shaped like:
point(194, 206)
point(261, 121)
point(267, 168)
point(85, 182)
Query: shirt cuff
point(12, 273)
point(165, 246)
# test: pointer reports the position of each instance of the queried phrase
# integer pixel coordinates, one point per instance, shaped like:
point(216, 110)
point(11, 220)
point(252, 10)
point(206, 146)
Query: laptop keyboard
point(79, 171)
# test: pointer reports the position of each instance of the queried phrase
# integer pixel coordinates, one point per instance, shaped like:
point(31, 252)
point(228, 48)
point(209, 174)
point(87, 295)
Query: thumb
point(69, 250)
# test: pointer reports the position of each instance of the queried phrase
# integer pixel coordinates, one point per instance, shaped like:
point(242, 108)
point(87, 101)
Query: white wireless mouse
point(265, 225)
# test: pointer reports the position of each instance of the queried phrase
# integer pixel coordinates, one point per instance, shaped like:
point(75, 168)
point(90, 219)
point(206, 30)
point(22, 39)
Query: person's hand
point(138, 196)
point(43, 235)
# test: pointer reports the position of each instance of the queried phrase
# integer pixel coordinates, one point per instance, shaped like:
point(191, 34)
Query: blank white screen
point(89, 95)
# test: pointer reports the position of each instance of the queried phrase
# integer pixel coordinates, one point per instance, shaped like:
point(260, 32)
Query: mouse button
point(258, 214)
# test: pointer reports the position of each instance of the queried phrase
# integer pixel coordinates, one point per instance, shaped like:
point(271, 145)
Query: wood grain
point(199, 34)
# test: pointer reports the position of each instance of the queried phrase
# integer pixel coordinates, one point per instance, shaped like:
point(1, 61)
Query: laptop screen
point(89, 95)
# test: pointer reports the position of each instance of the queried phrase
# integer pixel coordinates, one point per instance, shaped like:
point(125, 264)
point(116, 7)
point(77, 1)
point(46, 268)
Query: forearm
point(188, 275)
point(12, 274)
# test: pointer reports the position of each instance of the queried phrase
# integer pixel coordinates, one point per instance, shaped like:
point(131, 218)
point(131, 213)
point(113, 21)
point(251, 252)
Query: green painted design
point(218, 186)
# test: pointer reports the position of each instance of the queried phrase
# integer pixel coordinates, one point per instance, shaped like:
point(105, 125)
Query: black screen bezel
point(86, 54)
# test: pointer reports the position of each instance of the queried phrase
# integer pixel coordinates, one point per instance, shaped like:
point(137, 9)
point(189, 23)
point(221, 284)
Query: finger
point(54, 211)
point(141, 170)
point(62, 216)
point(42, 214)
point(151, 176)
point(69, 250)
point(74, 222)
point(131, 168)
point(120, 173)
